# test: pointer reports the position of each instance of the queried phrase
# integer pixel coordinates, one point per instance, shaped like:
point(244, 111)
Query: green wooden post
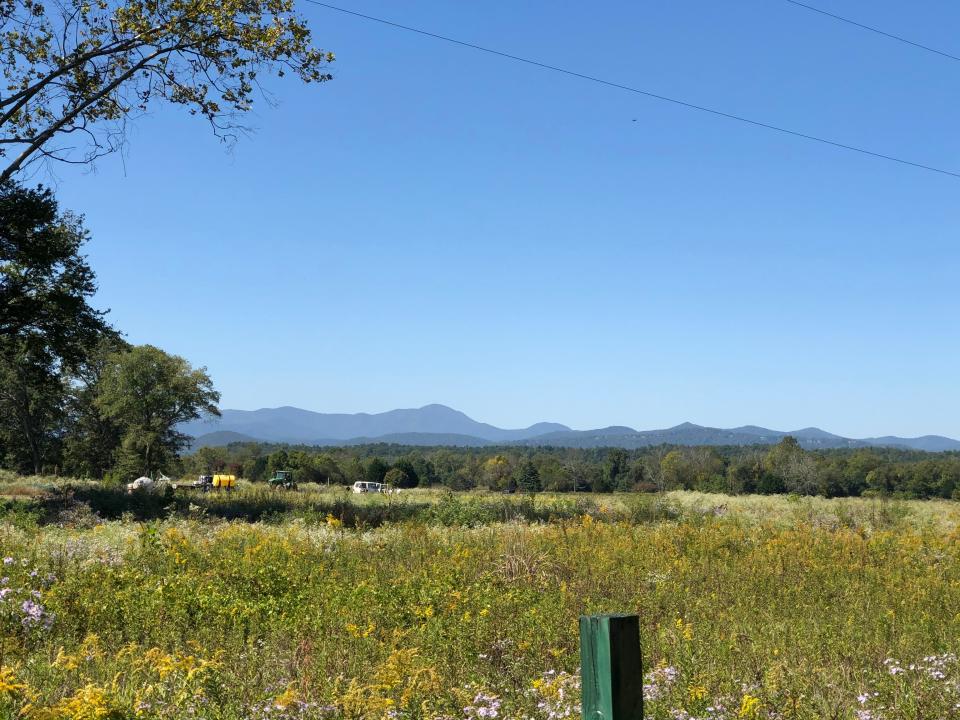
point(611, 671)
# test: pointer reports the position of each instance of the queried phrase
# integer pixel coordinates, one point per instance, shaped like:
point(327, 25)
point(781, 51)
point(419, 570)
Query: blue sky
point(439, 225)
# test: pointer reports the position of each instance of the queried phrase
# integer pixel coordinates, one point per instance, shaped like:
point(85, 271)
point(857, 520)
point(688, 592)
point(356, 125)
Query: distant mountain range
point(441, 425)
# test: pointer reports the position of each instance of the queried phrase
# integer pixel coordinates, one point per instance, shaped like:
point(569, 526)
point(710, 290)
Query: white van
point(366, 487)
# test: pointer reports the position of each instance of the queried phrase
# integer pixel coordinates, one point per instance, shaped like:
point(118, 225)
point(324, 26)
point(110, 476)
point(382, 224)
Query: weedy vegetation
point(269, 604)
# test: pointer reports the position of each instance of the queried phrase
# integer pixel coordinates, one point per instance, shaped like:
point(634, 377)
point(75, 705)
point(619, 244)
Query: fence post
point(611, 671)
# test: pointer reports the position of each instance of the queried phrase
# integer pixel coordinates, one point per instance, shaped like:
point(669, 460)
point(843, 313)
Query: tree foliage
point(74, 72)
point(91, 439)
point(31, 406)
point(398, 478)
point(47, 324)
point(45, 283)
point(734, 470)
point(148, 393)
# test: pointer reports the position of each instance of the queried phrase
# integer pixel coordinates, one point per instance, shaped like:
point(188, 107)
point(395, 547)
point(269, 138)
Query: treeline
point(75, 397)
point(782, 468)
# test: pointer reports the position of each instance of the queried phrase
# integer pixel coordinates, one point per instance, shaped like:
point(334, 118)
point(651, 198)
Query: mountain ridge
point(437, 424)
point(295, 425)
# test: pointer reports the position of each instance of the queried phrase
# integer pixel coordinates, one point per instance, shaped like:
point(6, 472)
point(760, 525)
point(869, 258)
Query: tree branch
point(73, 114)
point(24, 96)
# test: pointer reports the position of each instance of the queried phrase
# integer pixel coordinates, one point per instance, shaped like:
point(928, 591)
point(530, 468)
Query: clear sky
point(439, 225)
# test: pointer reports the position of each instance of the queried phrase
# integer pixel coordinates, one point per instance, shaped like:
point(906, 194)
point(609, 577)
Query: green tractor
point(283, 479)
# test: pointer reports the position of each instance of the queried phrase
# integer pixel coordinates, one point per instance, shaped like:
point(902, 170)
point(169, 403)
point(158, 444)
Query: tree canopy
point(45, 283)
point(148, 393)
point(47, 324)
point(733, 469)
point(75, 72)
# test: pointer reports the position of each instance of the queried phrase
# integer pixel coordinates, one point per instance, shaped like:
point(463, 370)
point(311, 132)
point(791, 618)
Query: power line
point(638, 91)
point(878, 31)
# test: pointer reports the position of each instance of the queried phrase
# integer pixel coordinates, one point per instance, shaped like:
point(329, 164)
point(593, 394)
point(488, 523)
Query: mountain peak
point(813, 432)
point(440, 407)
point(687, 426)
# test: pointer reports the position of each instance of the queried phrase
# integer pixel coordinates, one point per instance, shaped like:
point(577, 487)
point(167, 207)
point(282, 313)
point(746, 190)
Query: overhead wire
point(638, 91)
point(872, 29)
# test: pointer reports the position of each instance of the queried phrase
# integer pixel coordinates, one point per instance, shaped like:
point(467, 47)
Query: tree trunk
point(35, 453)
point(26, 424)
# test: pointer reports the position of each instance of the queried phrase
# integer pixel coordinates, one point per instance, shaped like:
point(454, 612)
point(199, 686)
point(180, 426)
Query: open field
point(426, 605)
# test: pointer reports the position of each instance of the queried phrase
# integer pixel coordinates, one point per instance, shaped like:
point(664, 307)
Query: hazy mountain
point(441, 425)
point(692, 435)
point(689, 434)
point(219, 439)
point(424, 439)
point(810, 433)
point(289, 424)
point(930, 443)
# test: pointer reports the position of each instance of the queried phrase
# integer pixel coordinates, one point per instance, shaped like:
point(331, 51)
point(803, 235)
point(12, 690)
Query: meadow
point(269, 604)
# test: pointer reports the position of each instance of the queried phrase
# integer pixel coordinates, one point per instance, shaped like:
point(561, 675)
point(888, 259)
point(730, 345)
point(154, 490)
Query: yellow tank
point(224, 481)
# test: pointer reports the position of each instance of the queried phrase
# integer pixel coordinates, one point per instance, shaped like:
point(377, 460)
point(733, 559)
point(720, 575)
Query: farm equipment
point(141, 483)
point(205, 483)
point(283, 479)
point(148, 484)
point(227, 482)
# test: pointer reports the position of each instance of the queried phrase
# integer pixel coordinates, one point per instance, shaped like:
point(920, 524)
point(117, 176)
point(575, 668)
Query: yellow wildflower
point(9, 687)
point(90, 702)
point(749, 707)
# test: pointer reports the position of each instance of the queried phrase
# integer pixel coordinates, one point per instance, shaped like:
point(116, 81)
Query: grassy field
point(266, 604)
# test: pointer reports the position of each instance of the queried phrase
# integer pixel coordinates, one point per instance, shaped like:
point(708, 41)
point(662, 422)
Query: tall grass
point(465, 606)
